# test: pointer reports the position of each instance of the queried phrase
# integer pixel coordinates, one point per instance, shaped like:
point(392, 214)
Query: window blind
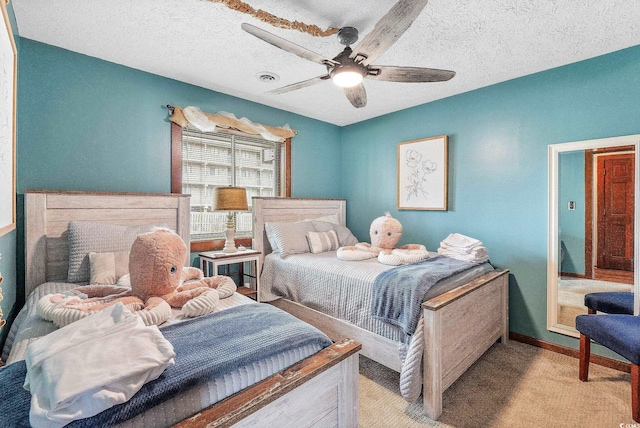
point(213, 159)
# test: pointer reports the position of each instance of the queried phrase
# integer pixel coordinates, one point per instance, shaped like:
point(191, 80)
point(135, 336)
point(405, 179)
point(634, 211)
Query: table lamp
point(230, 199)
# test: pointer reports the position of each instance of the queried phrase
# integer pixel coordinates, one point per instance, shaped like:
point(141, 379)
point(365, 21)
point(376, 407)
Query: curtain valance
point(207, 122)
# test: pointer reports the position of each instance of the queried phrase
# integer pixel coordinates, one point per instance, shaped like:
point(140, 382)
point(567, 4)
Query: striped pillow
point(320, 242)
point(345, 237)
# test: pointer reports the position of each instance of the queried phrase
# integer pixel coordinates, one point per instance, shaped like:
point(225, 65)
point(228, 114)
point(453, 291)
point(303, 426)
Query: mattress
point(28, 327)
point(342, 289)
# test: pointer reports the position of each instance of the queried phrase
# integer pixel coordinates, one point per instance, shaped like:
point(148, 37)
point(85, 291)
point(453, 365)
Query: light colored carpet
point(513, 385)
point(571, 293)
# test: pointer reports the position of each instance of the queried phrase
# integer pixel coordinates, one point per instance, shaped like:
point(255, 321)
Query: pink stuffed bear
point(385, 232)
point(159, 281)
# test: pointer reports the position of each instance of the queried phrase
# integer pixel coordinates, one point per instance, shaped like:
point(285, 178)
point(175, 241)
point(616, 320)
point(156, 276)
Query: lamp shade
point(230, 199)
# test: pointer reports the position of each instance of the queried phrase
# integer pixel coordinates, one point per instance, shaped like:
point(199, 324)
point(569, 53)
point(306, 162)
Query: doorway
point(609, 214)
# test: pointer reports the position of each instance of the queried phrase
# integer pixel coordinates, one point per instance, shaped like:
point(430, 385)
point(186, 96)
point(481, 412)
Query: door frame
point(589, 223)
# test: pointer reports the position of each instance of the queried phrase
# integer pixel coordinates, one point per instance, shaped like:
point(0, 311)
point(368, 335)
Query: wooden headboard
point(290, 210)
point(48, 213)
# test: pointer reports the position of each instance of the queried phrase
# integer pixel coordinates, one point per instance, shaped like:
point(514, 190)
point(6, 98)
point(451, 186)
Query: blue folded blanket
point(398, 293)
point(206, 348)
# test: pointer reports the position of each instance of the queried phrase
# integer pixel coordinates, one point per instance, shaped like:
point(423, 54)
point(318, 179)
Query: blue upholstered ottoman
point(611, 302)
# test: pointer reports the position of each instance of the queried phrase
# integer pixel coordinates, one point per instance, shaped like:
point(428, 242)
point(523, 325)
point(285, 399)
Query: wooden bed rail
point(451, 296)
point(242, 404)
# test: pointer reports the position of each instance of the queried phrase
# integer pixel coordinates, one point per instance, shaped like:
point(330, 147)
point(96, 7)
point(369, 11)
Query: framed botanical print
point(422, 174)
point(8, 60)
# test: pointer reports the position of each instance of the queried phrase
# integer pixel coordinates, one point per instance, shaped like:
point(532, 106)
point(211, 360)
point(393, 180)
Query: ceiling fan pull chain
point(276, 21)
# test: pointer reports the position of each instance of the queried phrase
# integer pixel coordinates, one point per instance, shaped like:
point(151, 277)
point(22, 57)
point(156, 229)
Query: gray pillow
point(345, 237)
point(288, 238)
point(89, 237)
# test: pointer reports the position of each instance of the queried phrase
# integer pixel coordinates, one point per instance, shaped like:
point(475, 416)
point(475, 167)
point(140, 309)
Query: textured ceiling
point(200, 42)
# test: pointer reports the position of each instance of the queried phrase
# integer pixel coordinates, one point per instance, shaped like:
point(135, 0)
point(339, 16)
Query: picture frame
point(423, 173)
point(8, 91)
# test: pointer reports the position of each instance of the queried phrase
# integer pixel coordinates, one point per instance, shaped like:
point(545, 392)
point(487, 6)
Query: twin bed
point(460, 320)
point(303, 386)
point(319, 387)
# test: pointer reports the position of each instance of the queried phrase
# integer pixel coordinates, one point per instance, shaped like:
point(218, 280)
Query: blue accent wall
point(8, 242)
point(498, 138)
point(572, 234)
point(87, 124)
point(8, 271)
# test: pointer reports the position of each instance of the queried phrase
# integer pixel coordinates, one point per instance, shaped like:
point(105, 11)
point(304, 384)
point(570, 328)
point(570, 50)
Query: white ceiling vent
point(267, 77)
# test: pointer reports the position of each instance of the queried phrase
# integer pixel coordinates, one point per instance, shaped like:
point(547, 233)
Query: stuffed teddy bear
point(158, 282)
point(385, 232)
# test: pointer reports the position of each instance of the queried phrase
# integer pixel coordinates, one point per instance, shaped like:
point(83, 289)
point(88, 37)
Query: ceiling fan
point(350, 67)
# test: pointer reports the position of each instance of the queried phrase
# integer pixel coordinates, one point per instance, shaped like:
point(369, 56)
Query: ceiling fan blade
point(408, 74)
point(286, 45)
point(299, 85)
point(356, 95)
point(388, 30)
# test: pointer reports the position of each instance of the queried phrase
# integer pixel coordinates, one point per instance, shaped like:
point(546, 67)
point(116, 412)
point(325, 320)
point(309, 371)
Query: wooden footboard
point(459, 326)
point(321, 390)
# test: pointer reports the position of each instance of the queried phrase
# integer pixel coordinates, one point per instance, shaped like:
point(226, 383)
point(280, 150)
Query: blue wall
point(498, 138)
point(8, 270)
point(8, 242)
point(87, 124)
point(92, 125)
point(571, 188)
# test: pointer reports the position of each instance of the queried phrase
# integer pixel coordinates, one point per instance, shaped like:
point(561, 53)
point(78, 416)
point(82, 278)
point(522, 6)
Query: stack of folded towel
point(463, 248)
point(92, 364)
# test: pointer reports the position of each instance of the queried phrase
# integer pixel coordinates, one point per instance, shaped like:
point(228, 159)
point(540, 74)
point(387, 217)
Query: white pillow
point(108, 268)
point(321, 242)
point(288, 238)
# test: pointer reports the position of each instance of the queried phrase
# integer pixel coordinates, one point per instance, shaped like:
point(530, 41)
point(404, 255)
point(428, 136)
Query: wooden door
point(615, 211)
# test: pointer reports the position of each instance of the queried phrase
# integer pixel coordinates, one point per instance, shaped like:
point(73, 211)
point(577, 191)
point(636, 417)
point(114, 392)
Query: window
point(202, 161)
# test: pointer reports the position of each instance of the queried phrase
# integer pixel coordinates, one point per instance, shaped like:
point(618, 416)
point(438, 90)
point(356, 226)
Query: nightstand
point(210, 262)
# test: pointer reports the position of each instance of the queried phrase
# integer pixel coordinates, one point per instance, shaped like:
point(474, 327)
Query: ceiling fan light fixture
point(346, 77)
point(350, 67)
